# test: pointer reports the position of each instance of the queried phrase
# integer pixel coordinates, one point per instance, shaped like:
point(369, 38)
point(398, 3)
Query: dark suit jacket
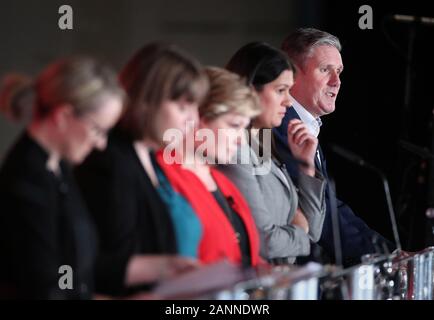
point(128, 211)
point(43, 225)
point(356, 236)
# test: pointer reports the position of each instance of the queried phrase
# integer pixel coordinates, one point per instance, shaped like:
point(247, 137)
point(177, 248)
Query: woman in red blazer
point(229, 231)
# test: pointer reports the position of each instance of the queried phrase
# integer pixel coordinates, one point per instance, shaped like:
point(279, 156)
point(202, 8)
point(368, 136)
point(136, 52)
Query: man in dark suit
point(316, 55)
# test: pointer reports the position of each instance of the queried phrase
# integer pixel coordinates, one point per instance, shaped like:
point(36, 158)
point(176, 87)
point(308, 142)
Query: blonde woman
point(45, 227)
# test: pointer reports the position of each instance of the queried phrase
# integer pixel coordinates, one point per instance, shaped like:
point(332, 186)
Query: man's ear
point(298, 70)
point(62, 115)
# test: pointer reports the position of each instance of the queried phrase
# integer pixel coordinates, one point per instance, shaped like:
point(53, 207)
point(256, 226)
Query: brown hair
point(228, 93)
point(156, 73)
point(16, 97)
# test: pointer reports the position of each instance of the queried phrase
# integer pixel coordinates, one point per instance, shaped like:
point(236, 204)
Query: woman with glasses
point(48, 243)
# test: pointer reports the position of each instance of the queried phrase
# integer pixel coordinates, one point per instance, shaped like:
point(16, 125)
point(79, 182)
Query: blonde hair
point(228, 93)
point(80, 82)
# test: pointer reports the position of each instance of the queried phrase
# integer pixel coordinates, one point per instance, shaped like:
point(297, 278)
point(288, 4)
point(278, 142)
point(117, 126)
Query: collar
point(312, 124)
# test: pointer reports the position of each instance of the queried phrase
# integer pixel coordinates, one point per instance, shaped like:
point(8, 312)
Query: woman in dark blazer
point(47, 240)
point(140, 219)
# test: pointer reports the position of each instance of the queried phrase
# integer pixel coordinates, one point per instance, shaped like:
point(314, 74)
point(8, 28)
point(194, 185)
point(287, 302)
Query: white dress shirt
point(313, 125)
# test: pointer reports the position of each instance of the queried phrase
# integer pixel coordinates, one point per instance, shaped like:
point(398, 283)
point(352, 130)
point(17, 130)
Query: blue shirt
point(188, 228)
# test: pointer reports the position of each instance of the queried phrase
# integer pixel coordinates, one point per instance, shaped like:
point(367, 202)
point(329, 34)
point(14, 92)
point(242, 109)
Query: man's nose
point(335, 79)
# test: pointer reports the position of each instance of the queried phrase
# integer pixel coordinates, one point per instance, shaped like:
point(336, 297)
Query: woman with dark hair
point(287, 217)
point(147, 230)
point(45, 229)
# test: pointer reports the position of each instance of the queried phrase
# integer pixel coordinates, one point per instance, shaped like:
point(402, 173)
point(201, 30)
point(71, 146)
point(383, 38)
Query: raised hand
point(303, 145)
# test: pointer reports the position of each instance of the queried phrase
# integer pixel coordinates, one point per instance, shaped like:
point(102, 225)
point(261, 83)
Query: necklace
point(226, 203)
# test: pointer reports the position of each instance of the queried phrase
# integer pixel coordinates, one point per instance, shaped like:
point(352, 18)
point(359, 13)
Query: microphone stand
point(337, 244)
point(336, 230)
point(426, 155)
point(362, 163)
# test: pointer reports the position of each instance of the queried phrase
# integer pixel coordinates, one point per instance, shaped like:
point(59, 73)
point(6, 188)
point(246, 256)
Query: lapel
point(279, 171)
point(273, 165)
point(291, 114)
point(321, 166)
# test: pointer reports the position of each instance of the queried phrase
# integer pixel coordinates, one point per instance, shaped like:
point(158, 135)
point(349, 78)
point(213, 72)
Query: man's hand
point(303, 145)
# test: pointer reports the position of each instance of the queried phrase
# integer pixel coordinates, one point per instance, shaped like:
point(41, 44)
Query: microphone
point(401, 18)
point(354, 158)
point(429, 213)
point(424, 153)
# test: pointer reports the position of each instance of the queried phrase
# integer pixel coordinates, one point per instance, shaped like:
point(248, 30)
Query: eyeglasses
point(96, 128)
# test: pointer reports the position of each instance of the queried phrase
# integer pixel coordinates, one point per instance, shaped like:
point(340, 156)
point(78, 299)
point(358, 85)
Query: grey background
point(112, 30)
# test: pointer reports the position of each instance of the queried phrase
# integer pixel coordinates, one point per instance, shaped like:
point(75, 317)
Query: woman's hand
point(144, 269)
point(300, 220)
point(303, 145)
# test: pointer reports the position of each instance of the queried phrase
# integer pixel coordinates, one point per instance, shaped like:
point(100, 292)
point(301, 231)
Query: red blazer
point(218, 239)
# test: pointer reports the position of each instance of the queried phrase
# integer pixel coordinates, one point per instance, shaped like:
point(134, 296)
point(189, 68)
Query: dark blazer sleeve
point(101, 181)
point(32, 229)
point(130, 217)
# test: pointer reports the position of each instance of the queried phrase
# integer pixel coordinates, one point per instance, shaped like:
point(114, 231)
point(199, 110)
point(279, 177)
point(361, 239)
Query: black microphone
point(336, 230)
point(402, 18)
point(424, 153)
point(354, 158)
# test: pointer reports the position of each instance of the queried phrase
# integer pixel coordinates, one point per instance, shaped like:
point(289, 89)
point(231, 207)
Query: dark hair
point(259, 63)
point(156, 73)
